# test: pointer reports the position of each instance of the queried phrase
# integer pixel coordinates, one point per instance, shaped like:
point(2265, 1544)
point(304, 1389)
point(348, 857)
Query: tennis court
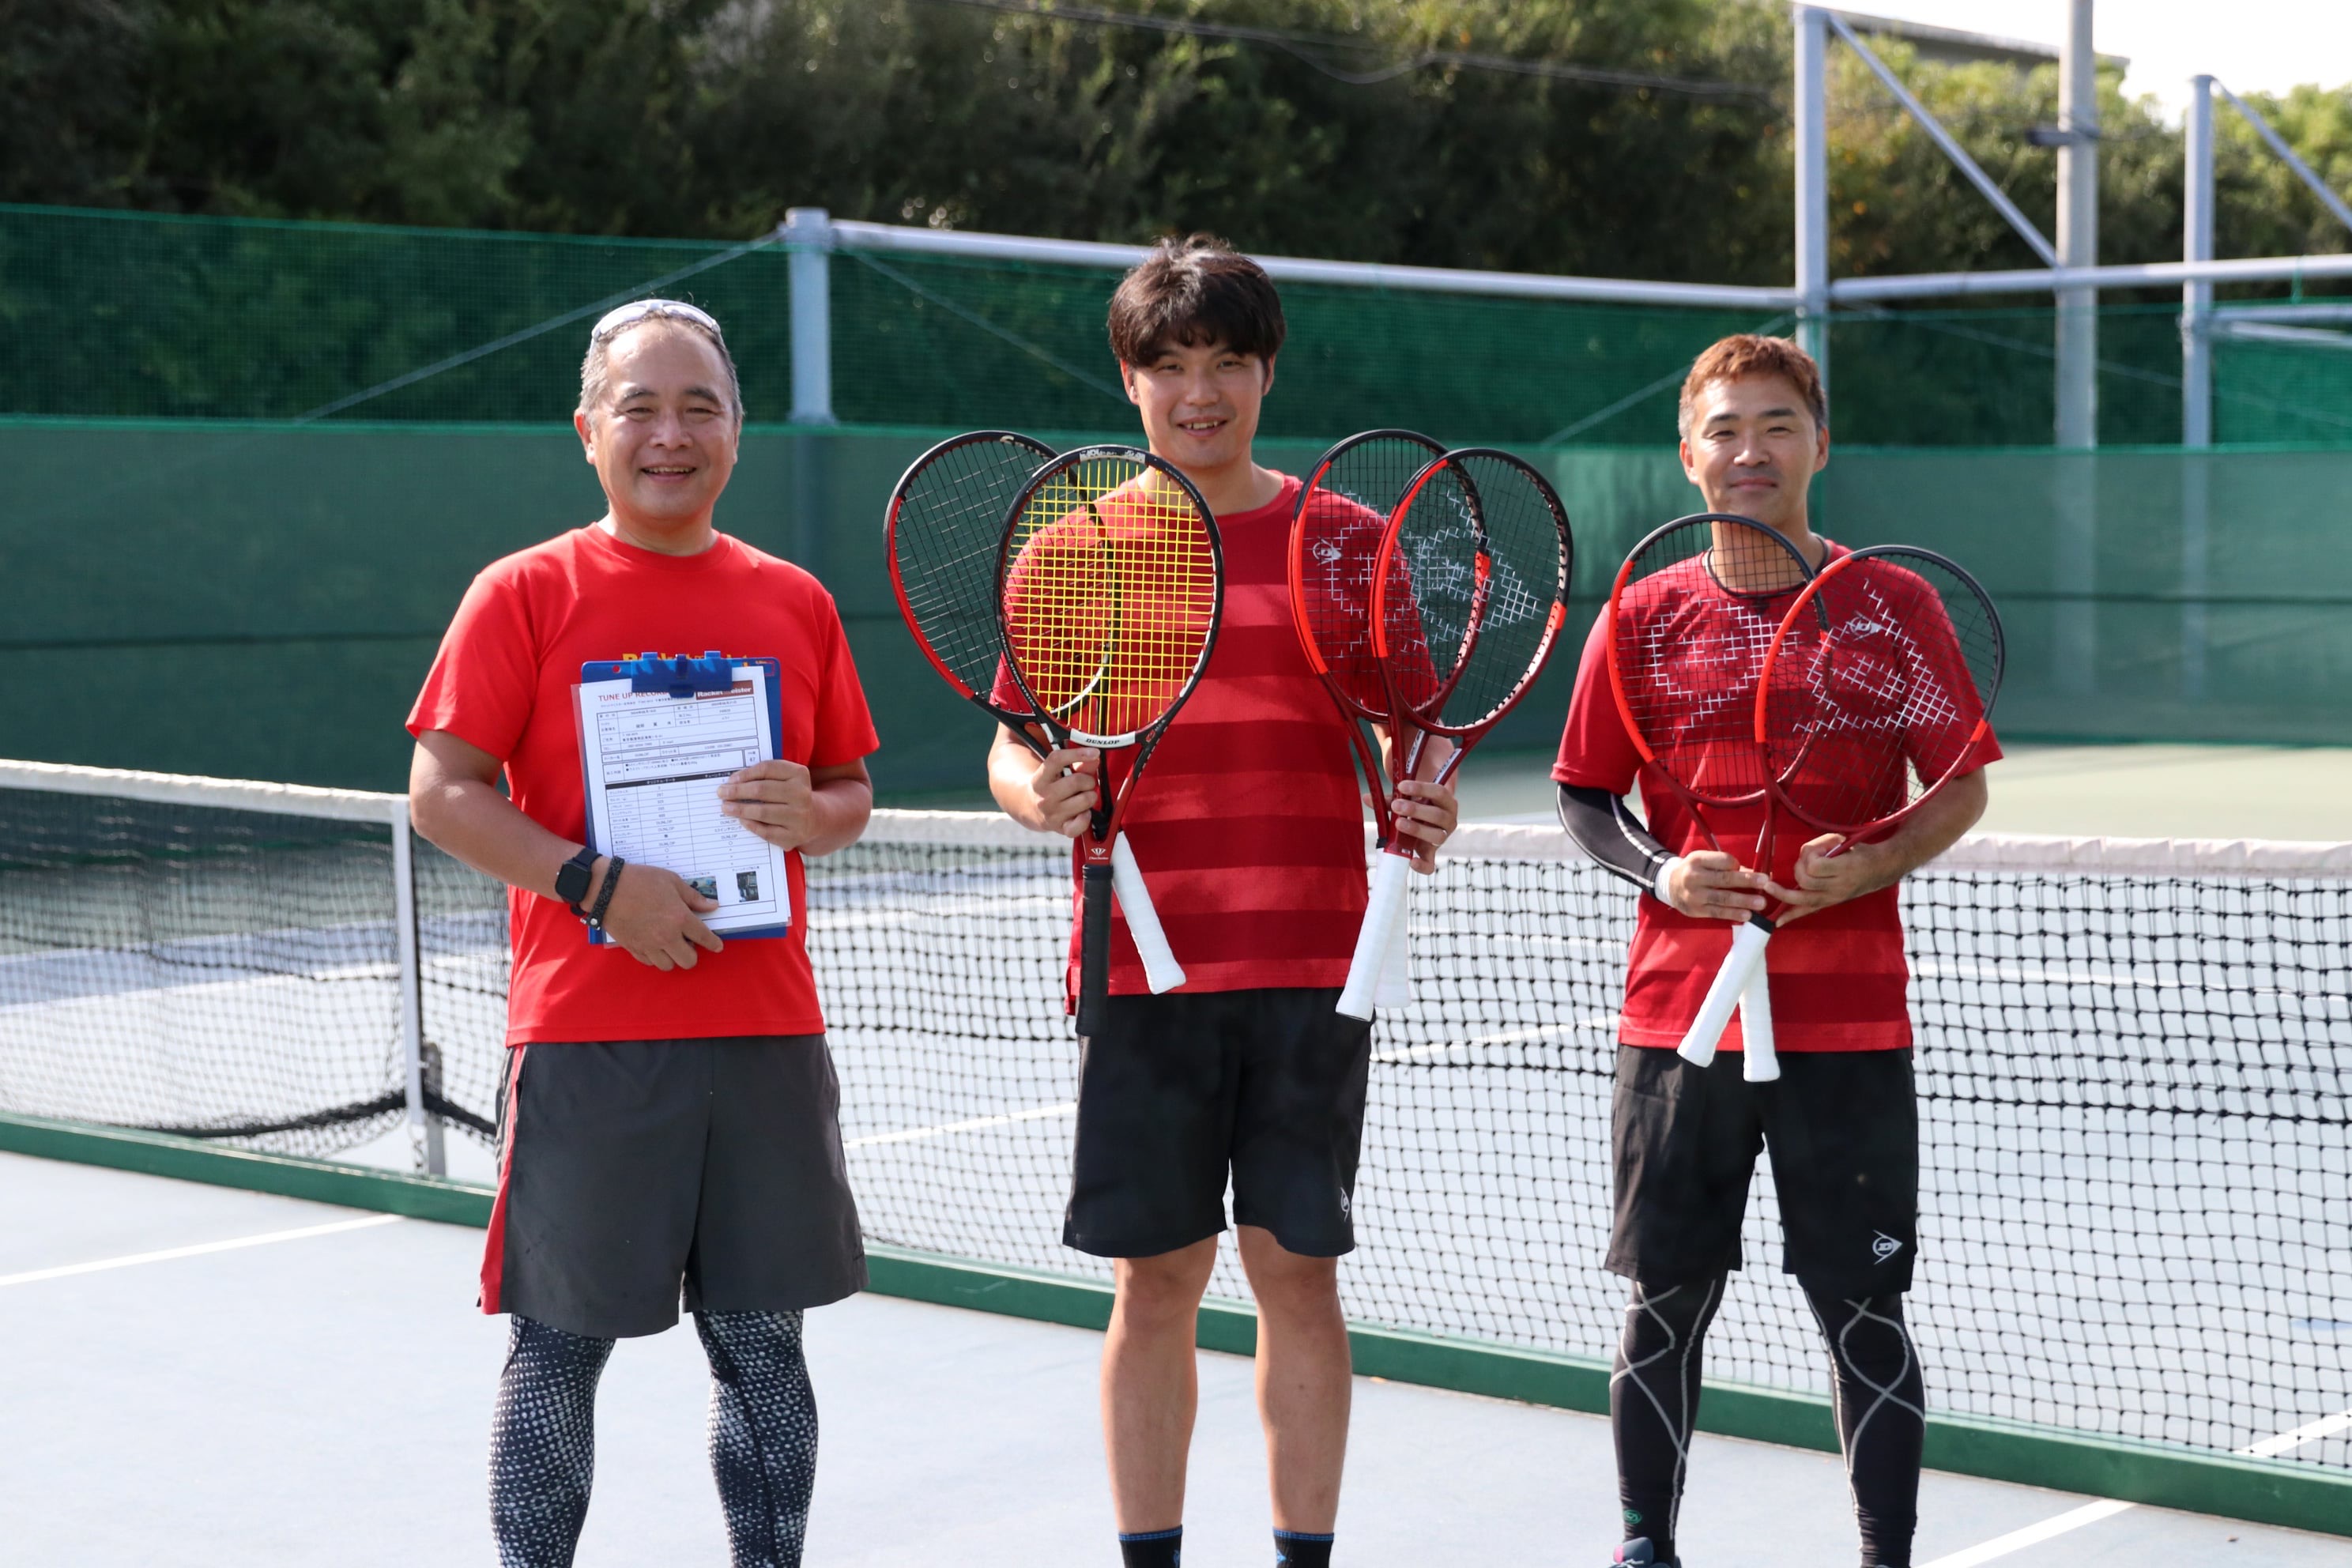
point(296, 1382)
point(2134, 1084)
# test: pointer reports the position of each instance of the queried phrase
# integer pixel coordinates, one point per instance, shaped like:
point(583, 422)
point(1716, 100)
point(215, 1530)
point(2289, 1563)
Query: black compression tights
point(762, 1437)
point(1654, 1404)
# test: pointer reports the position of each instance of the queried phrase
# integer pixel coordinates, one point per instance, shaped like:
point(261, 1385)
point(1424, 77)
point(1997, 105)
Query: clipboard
point(683, 678)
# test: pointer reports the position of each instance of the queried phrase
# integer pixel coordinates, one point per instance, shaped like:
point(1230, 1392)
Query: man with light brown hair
point(1842, 1123)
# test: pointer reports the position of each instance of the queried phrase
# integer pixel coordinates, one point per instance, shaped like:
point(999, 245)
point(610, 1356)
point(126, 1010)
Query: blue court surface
point(205, 1376)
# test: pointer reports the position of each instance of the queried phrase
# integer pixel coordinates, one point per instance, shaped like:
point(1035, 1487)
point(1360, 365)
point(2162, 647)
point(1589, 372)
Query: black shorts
point(1844, 1131)
point(629, 1170)
point(1178, 1091)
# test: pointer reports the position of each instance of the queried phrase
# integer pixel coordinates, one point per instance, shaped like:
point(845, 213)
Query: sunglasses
point(637, 310)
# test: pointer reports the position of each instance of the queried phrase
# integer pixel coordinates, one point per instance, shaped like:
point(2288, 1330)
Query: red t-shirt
point(503, 680)
point(1246, 822)
point(1838, 979)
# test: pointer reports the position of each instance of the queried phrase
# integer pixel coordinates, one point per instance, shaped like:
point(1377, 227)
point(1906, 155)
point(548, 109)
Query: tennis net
point(2134, 1064)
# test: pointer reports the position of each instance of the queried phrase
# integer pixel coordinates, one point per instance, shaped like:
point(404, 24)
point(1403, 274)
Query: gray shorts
point(634, 1171)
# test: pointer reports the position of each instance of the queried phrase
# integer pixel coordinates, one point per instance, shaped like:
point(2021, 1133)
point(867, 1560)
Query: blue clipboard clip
point(683, 676)
point(680, 676)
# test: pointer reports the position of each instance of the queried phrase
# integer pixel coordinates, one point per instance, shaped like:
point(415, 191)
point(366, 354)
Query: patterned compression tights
point(762, 1437)
point(1880, 1402)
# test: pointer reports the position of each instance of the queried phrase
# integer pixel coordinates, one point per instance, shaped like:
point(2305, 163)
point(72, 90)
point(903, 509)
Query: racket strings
point(950, 525)
point(1435, 578)
point(1110, 595)
point(1695, 616)
point(1880, 692)
point(1342, 519)
point(1524, 594)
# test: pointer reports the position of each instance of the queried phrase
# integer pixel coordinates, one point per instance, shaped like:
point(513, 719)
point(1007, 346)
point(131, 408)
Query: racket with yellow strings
point(1110, 583)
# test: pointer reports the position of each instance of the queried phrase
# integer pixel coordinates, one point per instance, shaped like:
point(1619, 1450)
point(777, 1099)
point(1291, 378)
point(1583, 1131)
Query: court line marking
point(2091, 1513)
point(200, 1249)
point(916, 1134)
point(2033, 1534)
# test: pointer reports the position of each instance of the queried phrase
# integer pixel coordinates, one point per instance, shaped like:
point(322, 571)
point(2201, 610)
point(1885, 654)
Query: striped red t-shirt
point(1247, 821)
point(1839, 978)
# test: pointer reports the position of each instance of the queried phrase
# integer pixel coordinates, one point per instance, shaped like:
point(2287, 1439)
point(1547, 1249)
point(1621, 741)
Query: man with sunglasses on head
point(668, 1121)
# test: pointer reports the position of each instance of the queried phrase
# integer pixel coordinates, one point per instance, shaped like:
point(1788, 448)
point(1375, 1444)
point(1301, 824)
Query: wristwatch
point(573, 880)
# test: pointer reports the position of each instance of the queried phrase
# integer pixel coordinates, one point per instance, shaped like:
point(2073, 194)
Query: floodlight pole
point(2195, 385)
point(1812, 153)
point(2075, 479)
point(2078, 232)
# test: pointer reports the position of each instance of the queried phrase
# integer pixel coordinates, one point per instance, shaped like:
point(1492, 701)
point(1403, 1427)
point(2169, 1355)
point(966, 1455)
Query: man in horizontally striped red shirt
point(1842, 1123)
point(1250, 828)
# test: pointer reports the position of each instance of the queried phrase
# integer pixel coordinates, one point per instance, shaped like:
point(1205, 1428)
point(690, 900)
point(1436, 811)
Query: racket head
point(943, 532)
point(1335, 535)
point(1691, 615)
point(1110, 585)
point(1878, 687)
point(1470, 589)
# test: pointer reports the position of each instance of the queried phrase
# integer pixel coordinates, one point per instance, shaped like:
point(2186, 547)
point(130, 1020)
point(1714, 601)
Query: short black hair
point(1195, 290)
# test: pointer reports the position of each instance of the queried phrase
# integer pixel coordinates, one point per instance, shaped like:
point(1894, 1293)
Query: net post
point(423, 1131)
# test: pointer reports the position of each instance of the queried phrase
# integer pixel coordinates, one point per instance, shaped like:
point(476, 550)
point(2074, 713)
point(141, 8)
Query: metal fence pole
point(2196, 387)
point(423, 1129)
point(809, 241)
point(2077, 423)
point(1812, 152)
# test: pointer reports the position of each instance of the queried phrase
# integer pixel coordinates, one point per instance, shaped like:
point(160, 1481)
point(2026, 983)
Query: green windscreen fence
point(116, 315)
point(261, 600)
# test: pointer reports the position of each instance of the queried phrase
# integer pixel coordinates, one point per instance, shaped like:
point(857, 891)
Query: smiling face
point(663, 434)
point(1200, 405)
point(1752, 449)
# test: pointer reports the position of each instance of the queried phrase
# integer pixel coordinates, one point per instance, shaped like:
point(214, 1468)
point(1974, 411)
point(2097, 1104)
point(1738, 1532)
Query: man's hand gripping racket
point(944, 532)
point(1109, 585)
point(1690, 617)
point(1469, 589)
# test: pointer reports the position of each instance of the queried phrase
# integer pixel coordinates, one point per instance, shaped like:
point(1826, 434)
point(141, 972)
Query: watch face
point(571, 882)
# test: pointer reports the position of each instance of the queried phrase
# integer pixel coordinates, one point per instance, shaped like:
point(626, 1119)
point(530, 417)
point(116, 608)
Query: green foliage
point(707, 118)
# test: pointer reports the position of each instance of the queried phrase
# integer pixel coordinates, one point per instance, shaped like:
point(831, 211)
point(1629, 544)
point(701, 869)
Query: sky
point(2267, 45)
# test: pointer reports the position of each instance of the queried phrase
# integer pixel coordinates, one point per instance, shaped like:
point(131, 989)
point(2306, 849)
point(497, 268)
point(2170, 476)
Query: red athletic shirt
point(1839, 978)
point(1246, 822)
point(503, 680)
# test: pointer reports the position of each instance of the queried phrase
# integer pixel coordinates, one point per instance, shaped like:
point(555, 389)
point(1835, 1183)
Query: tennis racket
point(943, 531)
point(1877, 690)
point(1109, 585)
point(1335, 535)
point(1468, 593)
point(1692, 612)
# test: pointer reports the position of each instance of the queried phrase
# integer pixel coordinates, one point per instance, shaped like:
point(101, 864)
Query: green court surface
point(2104, 791)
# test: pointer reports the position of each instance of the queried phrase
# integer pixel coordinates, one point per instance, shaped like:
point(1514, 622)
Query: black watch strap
point(574, 877)
point(596, 917)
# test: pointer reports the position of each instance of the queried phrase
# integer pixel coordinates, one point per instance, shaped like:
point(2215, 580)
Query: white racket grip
point(1381, 918)
point(1395, 989)
point(1763, 1062)
point(1723, 995)
point(1161, 970)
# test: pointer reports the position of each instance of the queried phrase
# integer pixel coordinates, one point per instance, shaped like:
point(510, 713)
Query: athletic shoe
point(1638, 1552)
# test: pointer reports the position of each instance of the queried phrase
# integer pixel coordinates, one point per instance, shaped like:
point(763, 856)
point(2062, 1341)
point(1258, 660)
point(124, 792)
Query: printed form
point(654, 764)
